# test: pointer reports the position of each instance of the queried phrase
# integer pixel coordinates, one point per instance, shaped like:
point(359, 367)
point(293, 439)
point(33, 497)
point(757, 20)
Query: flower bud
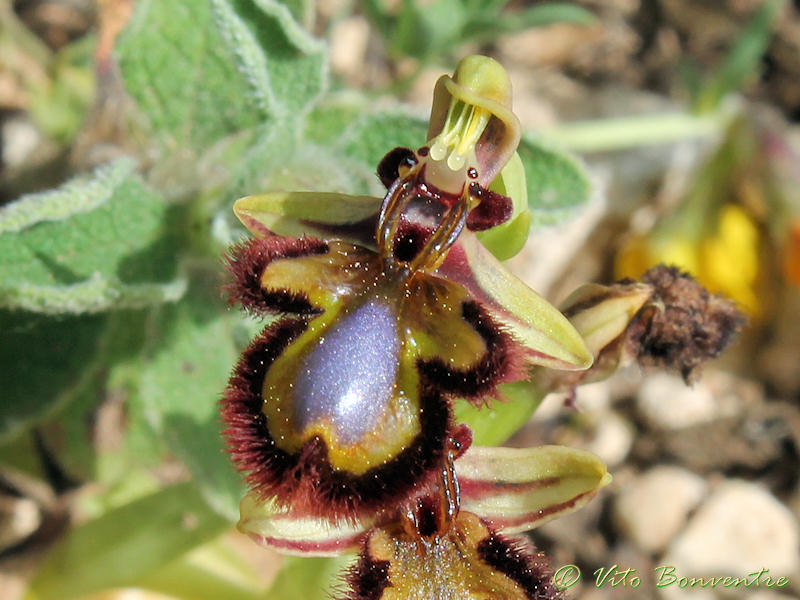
point(601, 314)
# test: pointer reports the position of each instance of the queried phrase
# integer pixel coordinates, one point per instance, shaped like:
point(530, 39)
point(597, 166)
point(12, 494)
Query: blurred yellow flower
point(726, 262)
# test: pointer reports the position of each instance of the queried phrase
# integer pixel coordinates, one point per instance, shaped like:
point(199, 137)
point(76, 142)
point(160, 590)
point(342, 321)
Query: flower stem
point(604, 135)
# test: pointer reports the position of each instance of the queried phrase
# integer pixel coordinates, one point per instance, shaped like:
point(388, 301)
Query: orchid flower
point(384, 312)
point(343, 404)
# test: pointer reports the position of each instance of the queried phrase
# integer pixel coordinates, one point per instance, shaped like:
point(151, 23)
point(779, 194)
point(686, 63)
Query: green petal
point(532, 320)
point(323, 215)
point(506, 240)
point(519, 489)
point(276, 528)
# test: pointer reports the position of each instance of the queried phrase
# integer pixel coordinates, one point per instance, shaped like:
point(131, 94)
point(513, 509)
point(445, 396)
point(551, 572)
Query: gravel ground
point(707, 477)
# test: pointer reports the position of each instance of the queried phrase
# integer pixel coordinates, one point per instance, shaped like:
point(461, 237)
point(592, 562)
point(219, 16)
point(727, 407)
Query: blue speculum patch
point(349, 375)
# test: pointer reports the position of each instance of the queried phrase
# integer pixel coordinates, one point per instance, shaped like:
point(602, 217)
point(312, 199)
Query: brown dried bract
point(683, 325)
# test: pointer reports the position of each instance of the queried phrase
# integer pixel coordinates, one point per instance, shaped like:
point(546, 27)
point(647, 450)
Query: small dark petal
point(502, 362)
point(252, 448)
point(246, 262)
point(530, 570)
point(460, 439)
point(694, 326)
point(389, 167)
point(493, 210)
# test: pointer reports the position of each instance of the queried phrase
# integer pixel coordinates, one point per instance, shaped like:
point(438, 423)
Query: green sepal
point(324, 215)
point(517, 489)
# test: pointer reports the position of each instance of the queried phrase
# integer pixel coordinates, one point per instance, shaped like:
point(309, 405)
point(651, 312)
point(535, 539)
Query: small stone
point(20, 138)
point(348, 47)
point(666, 402)
point(19, 518)
point(12, 584)
point(652, 510)
point(593, 397)
point(740, 529)
point(612, 440)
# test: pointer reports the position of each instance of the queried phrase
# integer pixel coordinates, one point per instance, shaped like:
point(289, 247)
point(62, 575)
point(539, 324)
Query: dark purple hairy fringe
point(305, 480)
point(367, 579)
point(502, 362)
point(516, 559)
point(246, 262)
point(529, 569)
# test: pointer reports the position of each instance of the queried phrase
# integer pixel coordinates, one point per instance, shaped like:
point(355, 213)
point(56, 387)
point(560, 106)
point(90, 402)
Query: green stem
point(493, 426)
point(604, 135)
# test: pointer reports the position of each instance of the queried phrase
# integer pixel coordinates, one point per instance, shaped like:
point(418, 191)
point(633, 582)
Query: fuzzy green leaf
point(45, 362)
point(240, 63)
point(302, 10)
point(296, 62)
point(92, 245)
point(181, 385)
point(82, 194)
point(360, 138)
point(126, 543)
point(184, 79)
point(370, 137)
point(307, 578)
point(557, 182)
point(71, 433)
point(277, 161)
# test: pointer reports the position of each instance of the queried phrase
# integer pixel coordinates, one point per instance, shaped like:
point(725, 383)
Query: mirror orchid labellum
point(386, 310)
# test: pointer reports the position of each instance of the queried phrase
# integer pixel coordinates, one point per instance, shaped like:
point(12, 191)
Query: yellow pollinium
point(463, 128)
